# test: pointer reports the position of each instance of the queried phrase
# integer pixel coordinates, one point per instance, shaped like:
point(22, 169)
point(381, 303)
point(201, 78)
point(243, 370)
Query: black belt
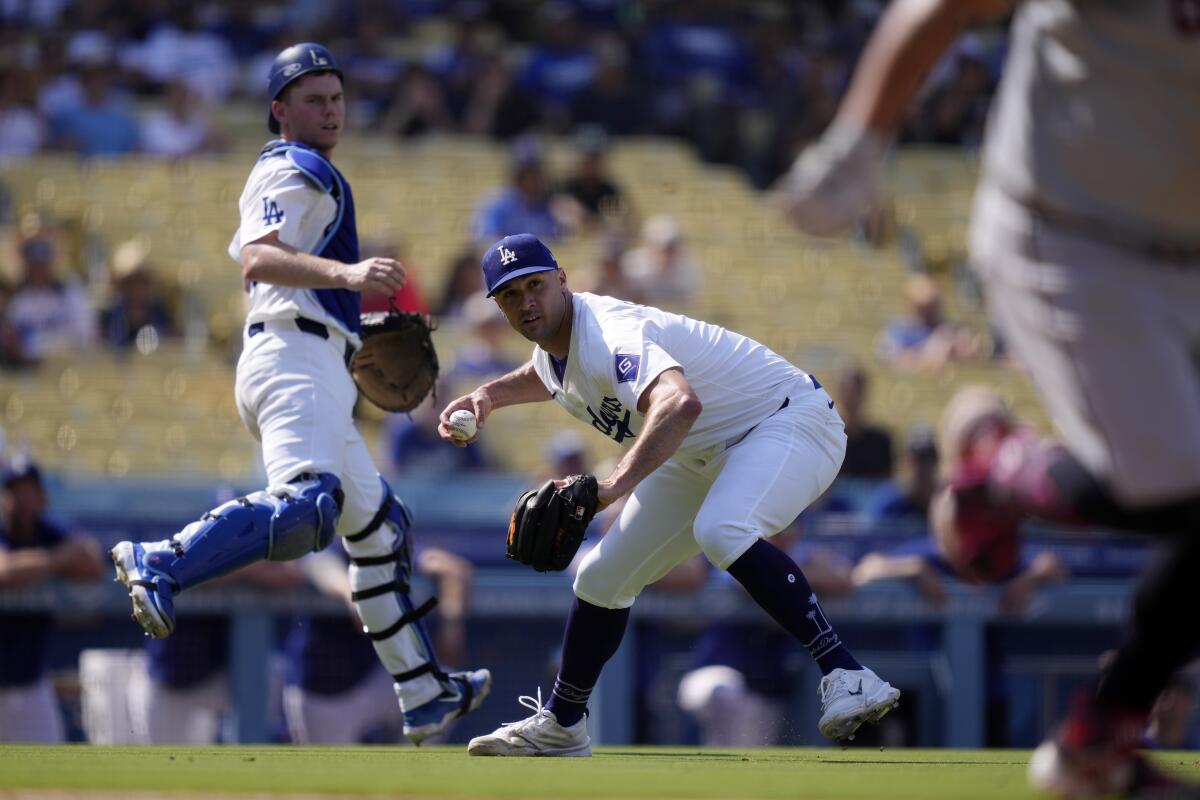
point(306, 325)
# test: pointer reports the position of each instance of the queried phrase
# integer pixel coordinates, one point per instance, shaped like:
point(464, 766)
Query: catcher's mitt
point(396, 366)
point(548, 523)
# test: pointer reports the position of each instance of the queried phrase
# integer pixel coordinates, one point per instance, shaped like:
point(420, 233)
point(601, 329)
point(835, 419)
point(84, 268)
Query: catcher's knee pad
point(281, 525)
point(380, 576)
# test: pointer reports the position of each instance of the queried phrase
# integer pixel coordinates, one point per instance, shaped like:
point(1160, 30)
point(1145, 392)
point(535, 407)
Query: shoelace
point(534, 704)
point(830, 686)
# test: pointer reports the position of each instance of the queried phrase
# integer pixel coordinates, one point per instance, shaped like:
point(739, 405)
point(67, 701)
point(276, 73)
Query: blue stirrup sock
point(778, 585)
point(592, 636)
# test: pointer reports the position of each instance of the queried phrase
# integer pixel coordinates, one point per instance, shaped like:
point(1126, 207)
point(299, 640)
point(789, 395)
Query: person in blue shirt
point(906, 498)
point(521, 207)
point(33, 550)
point(102, 124)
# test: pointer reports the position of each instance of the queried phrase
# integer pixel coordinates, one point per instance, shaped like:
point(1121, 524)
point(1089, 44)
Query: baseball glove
point(548, 524)
point(396, 366)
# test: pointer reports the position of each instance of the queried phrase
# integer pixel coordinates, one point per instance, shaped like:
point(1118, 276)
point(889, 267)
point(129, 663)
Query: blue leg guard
point(381, 567)
point(301, 518)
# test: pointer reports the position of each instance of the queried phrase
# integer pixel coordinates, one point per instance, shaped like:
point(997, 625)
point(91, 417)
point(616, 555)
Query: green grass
point(613, 772)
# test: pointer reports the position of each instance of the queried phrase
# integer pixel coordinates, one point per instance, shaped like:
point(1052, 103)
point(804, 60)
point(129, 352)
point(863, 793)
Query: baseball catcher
point(396, 366)
point(548, 523)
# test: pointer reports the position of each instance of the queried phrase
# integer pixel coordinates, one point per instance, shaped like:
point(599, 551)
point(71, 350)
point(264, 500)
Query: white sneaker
point(539, 735)
point(850, 698)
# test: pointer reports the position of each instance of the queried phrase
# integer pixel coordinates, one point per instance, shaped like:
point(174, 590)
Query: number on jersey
point(271, 213)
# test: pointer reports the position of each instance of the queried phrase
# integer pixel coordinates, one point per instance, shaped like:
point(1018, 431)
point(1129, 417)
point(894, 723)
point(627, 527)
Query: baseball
point(462, 424)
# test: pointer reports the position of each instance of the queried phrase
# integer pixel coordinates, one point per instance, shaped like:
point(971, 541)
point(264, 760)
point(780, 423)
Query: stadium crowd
point(745, 83)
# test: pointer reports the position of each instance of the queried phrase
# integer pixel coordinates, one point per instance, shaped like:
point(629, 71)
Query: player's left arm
point(911, 37)
point(835, 181)
point(670, 407)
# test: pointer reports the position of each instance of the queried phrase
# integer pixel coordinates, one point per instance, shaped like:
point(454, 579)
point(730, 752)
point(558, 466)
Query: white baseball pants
point(720, 503)
point(296, 396)
point(1111, 338)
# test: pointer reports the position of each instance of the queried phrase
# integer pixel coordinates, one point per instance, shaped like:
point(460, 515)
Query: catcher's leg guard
point(280, 525)
point(380, 572)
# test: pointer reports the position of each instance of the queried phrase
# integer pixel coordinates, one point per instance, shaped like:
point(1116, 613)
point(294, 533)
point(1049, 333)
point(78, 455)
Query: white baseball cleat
point(539, 735)
point(850, 698)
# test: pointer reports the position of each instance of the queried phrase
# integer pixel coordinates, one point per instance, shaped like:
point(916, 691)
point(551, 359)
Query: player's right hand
point(478, 403)
point(377, 275)
point(835, 182)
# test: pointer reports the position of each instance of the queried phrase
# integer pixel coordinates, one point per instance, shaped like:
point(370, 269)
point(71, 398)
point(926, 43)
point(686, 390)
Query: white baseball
point(462, 424)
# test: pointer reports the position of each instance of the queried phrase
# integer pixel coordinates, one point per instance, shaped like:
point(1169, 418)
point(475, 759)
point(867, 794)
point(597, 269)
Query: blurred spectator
point(183, 696)
point(868, 446)
point(182, 127)
point(101, 123)
point(59, 88)
point(521, 207)
point(239, 27)
point(456, 64)
point(408, 298)
point(954, 109)
point(907, 497)
point(464, 280)
point(739, 688)
point(660, 269)
point(564, 455)
point(138, 312)
point(414, 447)
point(335, 691)
point(11, 354)
point(177, 48)
point(561, 66)
point(419, 105)
point(34, 550)
point(21, 130)
point(497, 106)
point(697, 44)
point(481, 355)
point(51, 315)
point(372, 71)
point(608, 276)
point(926, 340)
point(612, 102)
point(974, 421)
point(594, 200)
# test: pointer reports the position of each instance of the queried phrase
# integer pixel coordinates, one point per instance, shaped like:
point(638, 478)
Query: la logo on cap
point(506, 256)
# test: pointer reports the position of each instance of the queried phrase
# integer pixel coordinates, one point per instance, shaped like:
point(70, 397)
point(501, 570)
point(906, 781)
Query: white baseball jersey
point(1098, 115)
point(278, 197)
point(618, 349)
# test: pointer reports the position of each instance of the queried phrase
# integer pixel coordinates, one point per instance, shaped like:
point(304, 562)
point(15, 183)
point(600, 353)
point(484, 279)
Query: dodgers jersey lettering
point(292, 189)
point(619, 348)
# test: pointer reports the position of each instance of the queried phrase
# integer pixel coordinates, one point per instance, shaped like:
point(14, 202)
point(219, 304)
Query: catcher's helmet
point(299, 59)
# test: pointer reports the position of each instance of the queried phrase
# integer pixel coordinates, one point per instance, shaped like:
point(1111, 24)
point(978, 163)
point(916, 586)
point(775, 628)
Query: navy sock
point(591, 637)
point(777, 584)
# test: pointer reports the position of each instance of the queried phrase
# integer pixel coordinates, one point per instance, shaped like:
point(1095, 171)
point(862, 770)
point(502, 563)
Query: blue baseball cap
point(299, 59)
point(514, 256)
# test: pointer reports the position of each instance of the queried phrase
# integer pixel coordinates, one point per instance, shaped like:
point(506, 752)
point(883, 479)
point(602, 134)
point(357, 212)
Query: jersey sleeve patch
point(626, 366)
